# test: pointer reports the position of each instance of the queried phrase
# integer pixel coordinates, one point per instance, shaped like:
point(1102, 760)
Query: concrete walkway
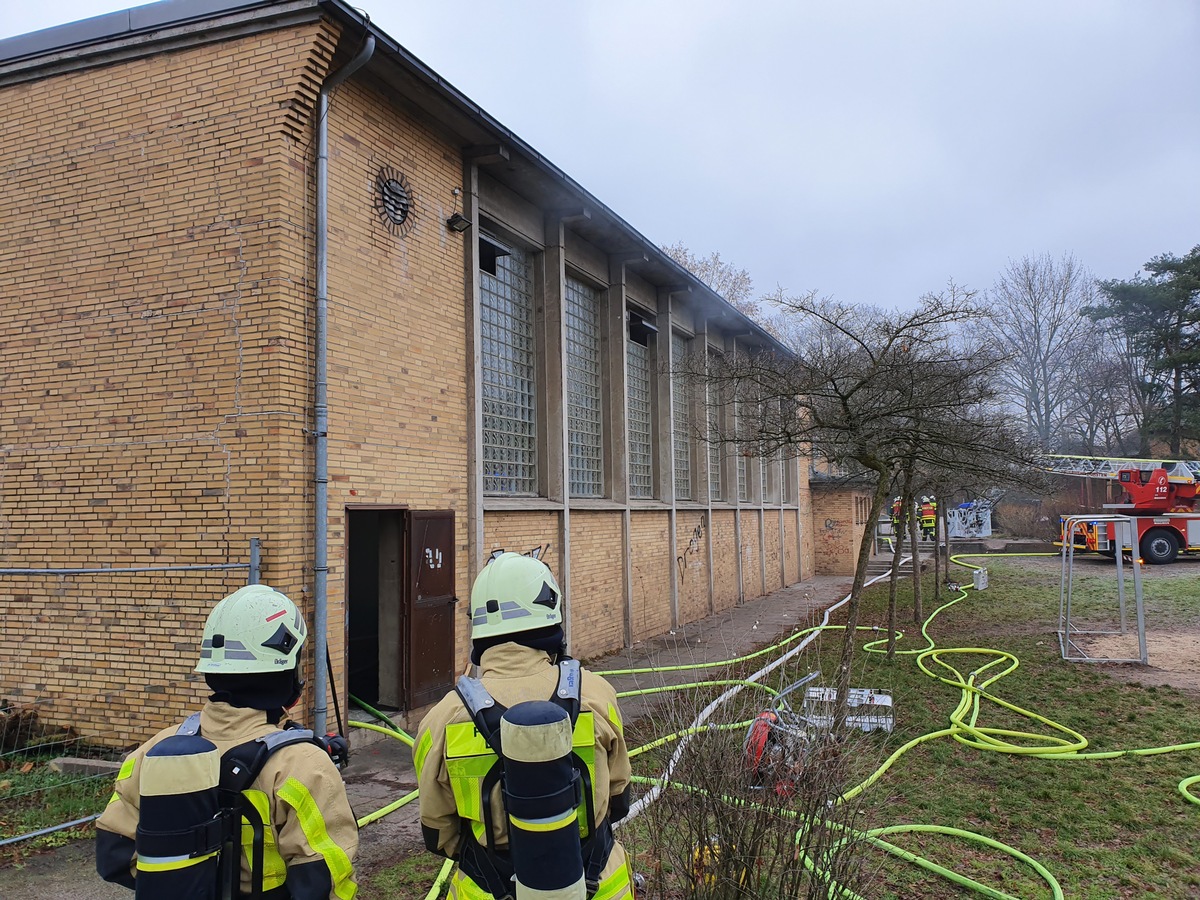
point(381, 769)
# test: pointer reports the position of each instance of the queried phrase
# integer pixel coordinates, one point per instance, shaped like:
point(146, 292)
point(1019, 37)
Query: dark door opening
point(400, 602)
point(374, 594)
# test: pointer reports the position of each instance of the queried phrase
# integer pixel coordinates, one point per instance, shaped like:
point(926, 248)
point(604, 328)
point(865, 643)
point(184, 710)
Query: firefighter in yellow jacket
point(296, 831)
point(502, 831)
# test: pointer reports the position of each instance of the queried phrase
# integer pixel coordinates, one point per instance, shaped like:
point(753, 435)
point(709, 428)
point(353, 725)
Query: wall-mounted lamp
point(458, 222)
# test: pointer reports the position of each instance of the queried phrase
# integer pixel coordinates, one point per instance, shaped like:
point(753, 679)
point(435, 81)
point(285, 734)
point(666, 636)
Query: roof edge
point(132, 32)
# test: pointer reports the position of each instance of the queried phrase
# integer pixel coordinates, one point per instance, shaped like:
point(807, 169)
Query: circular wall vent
point(394, 201)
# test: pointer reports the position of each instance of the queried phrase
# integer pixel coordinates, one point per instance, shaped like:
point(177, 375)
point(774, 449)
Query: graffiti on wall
point(539, 552)
point(693, 546)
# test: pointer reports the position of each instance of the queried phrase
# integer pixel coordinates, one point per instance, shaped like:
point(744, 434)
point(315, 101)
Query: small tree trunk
point(937, 558)
point(893, 581)
point(850, 636)
point(897, 552)
point(914, 542)
point(944, 519)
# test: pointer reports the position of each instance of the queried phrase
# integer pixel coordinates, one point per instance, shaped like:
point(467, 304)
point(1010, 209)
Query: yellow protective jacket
point(513, 674)
point(310, 833)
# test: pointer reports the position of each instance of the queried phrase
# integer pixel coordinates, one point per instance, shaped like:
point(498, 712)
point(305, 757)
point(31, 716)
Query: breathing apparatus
point(189, 835)
point(555, 851)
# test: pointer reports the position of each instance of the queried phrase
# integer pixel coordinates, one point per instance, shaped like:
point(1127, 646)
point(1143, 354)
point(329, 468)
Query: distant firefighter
point(928, 518)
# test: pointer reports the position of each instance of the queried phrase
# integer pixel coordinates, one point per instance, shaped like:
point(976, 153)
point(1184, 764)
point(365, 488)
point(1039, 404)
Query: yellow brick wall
point(536, 533)
point(650, 557)
point(165, 216)
point(772, 549)
point(145, 347)
point(837, 537)
point(725, 576)
point(397, 332)
point(808, 566)
point(791, 555)
point(691, 563)
point(752, 582)
point(597, 592)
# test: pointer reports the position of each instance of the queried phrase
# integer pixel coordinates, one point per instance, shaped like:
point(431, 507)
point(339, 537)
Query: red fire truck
point(1158, 495)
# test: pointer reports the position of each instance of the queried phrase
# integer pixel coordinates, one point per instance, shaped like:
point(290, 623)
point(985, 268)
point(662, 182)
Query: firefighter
point(518, 646)
point(897, 509)
point(928, 517)
point(249, 657)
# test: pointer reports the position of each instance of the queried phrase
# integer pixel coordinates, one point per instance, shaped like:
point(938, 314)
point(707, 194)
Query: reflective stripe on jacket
point(469, 759)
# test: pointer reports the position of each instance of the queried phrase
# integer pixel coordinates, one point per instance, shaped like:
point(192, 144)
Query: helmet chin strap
point(297, 688)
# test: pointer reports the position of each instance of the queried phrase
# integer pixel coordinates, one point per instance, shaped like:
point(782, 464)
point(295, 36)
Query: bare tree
point(870, 390)
point(732, 283)
point(1114, 396)
point(1036, 321)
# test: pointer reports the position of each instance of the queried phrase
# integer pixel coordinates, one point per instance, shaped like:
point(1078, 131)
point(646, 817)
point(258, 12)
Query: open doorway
point(400, 601)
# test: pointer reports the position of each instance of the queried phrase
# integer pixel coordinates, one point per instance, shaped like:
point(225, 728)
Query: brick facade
point(837, 532)
point(597, 586)
point(692, 535)
point(725, 559)
point(651, 564)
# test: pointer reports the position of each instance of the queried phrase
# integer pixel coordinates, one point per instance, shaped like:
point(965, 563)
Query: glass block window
point(508, 384)
point(714, 453)
point(769, 470)
point(681, 420)
point(743, 468)
point(640, 427)
point(584, 436)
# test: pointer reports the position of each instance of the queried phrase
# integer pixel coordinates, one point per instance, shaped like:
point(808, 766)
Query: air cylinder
point(542, 796)
point(179, 833)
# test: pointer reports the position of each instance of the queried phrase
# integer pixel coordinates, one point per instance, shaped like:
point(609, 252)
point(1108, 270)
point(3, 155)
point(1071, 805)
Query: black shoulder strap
point(240, 768)
point(241, 765)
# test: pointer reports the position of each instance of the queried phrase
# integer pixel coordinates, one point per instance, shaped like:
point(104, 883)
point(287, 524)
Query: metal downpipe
point(321, 391)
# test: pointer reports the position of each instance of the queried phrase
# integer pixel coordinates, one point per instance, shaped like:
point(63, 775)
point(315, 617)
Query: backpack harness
point(487, 865)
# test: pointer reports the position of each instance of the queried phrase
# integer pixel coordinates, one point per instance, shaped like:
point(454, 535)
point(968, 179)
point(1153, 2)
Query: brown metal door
point(430, 632)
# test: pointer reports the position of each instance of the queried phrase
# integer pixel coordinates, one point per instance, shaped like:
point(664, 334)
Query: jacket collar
point(512, 661)
point(233, 723)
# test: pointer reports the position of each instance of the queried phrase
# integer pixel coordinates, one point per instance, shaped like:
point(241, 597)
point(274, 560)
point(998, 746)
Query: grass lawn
point(40, 798)
point(1104, 828)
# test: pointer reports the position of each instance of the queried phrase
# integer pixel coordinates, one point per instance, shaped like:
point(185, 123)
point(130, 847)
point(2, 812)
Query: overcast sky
point(868, 150)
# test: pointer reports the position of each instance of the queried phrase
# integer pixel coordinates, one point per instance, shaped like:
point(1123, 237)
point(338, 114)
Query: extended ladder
point(1178, 471)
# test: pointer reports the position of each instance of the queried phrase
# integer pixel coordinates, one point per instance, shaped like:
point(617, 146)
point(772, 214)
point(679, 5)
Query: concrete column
point(554, 338)
point(475, 518)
